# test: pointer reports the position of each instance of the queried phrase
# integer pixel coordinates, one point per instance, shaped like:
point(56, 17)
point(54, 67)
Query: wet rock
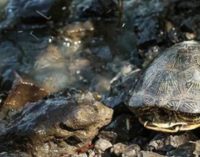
point(3, 123)
point(50, 70)
point(121, 85)
point(118, 149)
point(94, 8)
point(147, 29)
point(165, 143)
point(10, 59)
point(108, 135)
point(186, 20)
point(59, 65)
point(3, 4)
point(197, 148)
point(19, 154)
point(190, 36)
point(31, 11)
point(131, 151)
point(80, 155)
point(91, 153)
point(174, 35)
point(142, 140)
point(63, 124)
point(187, 150)
point(18, 55)
point(101, 145)
point(103, 53)
point(149, 154)
point(123, 150)
point(143, 18)
point(76, 58)
point(59, 12)
point(22, 92)
point(100, 84)
point(126, 44)
point(77, 30)
point(85, 148)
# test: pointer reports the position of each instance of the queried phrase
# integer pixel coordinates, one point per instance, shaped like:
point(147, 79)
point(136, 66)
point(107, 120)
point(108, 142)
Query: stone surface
point(149, 154)
point(102, 145)
point(19, 154)
point(23, 10)
point(23, 91)
point(108, 135)
point(65, 124)
point(164, 141)
point(118, 149)
point(131, 151)
point(186, 150)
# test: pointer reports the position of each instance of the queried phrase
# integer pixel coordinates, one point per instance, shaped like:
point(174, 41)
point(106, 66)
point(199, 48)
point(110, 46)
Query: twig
point(44, 16)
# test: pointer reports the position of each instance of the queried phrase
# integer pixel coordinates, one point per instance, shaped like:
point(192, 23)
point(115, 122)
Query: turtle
point(166, 97)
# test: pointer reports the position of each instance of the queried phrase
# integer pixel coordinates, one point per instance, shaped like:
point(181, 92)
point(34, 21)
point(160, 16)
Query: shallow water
point(88, 61)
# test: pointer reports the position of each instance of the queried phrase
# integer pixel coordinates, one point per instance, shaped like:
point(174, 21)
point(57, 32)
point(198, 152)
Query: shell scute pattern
point(197, 59)
point(172, 81)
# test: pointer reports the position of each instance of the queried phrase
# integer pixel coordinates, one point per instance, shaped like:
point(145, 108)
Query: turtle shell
point(172, 81)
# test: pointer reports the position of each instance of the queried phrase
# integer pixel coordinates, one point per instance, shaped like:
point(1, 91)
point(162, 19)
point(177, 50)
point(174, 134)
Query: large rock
point(56, 126)
point(12, 11)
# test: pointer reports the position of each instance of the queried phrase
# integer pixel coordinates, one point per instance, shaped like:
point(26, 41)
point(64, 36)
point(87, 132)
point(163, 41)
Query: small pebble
point(149, 154)
point(80, 155)
point(102, 145)
point(118, 149)
point(91, 153)
point(131, 151)
point(190, 36)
